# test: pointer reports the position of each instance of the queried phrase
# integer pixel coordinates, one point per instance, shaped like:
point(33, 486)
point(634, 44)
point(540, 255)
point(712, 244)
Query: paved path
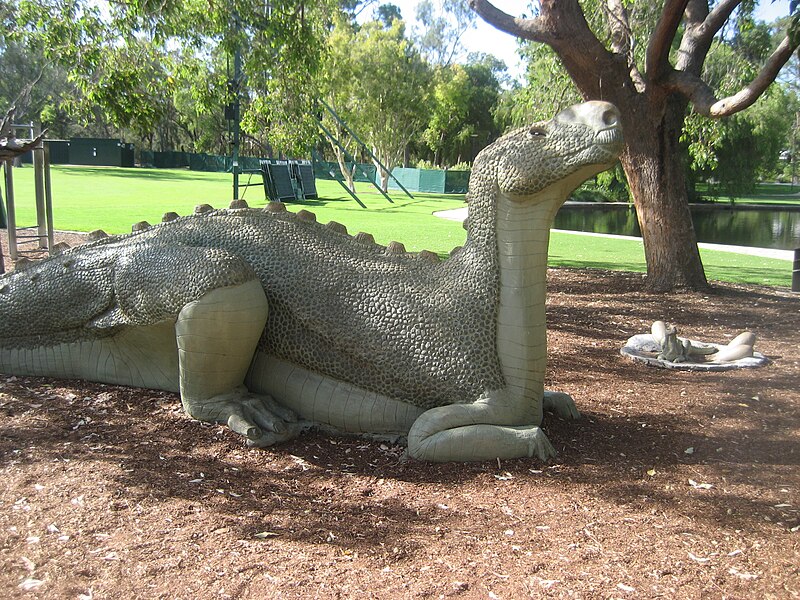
point(459, 214)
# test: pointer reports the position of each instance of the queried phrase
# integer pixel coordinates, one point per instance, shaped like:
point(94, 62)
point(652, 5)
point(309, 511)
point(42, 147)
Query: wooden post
point(11, 216)
point(3, 215)
point(38, 183)
point(48, 197)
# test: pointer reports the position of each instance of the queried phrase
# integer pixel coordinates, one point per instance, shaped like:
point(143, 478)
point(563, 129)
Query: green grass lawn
point(87, 198)
point(765, 193)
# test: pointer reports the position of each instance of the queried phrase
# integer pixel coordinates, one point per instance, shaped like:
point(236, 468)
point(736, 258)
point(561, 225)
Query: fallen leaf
point(689, 450)
point(651, 472)
point(262, 535)
point(30, 585)
point(742, 574)
point(700, 486)
point(626, 588)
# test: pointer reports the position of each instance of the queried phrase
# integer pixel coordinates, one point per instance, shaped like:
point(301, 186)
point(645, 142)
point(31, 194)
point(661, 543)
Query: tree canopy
point(648, 60)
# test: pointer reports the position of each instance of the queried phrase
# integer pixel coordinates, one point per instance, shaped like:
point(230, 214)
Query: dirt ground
point(673, 484)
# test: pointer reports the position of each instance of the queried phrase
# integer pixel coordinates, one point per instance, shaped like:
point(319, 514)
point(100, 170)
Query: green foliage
point(463, 104)
point(120, 56)
point(376, 81)
point(548, 90)
point(387, 13)
point(440, 38)
point(738, 151)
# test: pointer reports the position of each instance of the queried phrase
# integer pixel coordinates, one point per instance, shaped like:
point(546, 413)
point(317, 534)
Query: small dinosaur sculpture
point(266, 320)
point(675, 349)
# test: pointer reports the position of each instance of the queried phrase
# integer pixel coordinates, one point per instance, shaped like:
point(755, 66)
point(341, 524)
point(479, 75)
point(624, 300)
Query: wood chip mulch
point(674, 484)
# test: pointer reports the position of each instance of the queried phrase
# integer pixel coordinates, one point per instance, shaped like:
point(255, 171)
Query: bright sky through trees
point(487, 39)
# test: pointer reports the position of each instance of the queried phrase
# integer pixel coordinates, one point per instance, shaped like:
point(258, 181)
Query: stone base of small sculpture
point(663, 348)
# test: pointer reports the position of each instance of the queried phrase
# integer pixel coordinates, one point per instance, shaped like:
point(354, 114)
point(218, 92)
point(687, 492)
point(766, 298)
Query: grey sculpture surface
point(663, 348)
point(266, 320)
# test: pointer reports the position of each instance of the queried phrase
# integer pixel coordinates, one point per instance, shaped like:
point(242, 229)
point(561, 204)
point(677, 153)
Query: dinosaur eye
point(537, 132)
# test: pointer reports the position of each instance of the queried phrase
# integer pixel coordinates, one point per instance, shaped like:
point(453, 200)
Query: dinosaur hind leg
point(217, 337)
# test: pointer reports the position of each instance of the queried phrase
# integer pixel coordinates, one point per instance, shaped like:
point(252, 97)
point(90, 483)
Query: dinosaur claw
point(242, 426)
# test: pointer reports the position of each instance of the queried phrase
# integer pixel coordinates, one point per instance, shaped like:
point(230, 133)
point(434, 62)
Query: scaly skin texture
point(268, 321)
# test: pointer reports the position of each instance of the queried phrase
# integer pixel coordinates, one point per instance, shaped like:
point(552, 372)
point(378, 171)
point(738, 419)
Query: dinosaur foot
point(257, 417)
point(560, 403)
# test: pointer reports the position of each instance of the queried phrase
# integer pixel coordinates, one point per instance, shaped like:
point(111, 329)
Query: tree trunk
point(384, 175)
point(346, 173)
point(656, 175)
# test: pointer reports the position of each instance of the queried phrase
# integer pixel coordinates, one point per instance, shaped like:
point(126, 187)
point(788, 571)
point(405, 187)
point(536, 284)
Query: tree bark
point(346, 173)
point(656, 175)
point(653, 107)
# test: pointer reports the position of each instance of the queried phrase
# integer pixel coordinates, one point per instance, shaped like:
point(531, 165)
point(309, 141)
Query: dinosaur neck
point(523, 233)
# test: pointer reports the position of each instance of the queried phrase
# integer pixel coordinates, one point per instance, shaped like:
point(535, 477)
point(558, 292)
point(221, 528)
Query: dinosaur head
point(556, 156)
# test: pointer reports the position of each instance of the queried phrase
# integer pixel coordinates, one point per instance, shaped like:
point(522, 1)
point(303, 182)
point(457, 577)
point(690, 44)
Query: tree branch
point(529, 29)
point(622, 40)
point(715, 20)
point(702, 96)
point(657, 59)
point(749, 94)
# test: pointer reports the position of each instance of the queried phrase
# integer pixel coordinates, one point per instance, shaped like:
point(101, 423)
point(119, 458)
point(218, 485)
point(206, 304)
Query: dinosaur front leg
point(484, 430)
point(217, 338)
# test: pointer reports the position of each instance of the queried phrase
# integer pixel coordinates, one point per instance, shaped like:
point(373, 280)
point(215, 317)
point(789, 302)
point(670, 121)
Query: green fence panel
point(249, 163)
point(305, 174)
point(323, 169)
point(95, 151)
point(59, 152)
point(431, 181)
point(127, 154)
point(170, 159)
point(456, 182)
point(408, 177)
point(209, 162)
point(146, 158)
point(435, 181)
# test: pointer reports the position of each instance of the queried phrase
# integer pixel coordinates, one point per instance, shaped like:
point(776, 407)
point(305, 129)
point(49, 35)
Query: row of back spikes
point(272, 207)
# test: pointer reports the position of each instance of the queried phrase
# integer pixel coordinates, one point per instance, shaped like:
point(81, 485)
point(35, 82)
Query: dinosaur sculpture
point(267, 321)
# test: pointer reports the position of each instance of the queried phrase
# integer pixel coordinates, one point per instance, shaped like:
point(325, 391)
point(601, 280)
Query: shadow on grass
point(134, 173)
point(608, 265)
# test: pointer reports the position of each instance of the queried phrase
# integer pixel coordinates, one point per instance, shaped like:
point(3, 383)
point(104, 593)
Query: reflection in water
point(779, 229)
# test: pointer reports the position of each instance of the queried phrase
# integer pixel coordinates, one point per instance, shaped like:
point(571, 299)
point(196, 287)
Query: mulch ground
point(674, 484)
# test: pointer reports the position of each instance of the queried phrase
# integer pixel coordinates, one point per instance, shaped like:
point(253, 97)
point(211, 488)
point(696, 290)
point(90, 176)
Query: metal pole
point(364, 147)
point(796, 271)
point(11, 216)
point(237, 72)
point(2, 224)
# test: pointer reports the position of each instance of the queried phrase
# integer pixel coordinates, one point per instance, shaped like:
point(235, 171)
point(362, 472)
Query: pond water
point(759, 227)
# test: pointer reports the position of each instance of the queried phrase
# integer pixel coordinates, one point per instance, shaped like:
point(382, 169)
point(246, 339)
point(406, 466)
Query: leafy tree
point(376, 81)
point(462, 106)
point(737, 151)
point(119, 54)
point(450, 106)
point(648, 60)
point(443, 27)
point(387, 13)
